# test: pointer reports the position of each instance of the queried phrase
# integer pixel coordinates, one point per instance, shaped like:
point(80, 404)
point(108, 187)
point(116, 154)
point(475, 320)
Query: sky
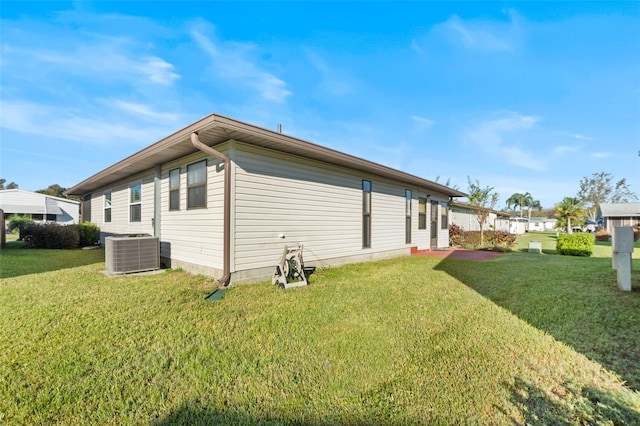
point(518, 96)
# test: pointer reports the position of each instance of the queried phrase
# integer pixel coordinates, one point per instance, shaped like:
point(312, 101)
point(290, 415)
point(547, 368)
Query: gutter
point(226, 268)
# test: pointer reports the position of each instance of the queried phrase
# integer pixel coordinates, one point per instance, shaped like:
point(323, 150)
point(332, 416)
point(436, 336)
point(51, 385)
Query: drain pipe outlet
point(226, 254)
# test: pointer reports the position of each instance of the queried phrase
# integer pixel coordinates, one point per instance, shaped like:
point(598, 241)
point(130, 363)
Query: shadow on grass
point(195, 413)
point(17, 260)
point(568, 405)
point(575, 300)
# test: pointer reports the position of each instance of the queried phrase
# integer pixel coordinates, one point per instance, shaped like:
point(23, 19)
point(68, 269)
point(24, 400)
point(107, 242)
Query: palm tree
point(520, 200)
point(569, 208)
point(534, 204)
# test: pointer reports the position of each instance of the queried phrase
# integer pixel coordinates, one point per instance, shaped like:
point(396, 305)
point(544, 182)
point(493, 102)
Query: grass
point(521, 339)
point(548, 240)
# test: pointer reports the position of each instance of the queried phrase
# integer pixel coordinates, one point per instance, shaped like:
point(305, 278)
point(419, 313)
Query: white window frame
point(135, 203)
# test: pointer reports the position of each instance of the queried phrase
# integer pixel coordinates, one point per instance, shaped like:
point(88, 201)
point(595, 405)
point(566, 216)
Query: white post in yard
point(622, 248)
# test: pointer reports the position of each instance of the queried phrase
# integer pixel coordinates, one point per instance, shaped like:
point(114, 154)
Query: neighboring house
point(518, 225)
point(463, 215)
point(225, 197)
point(619, 214)
point(40, 207)
point(542, 224)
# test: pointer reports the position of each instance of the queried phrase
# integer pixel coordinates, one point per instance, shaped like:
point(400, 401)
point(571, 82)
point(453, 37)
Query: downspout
point(226, 254)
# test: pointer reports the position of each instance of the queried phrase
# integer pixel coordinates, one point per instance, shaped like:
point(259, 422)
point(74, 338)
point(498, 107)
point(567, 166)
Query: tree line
point(54, 190)
point(599, 188)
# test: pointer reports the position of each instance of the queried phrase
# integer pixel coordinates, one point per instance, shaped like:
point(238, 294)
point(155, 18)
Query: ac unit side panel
point(132, 254)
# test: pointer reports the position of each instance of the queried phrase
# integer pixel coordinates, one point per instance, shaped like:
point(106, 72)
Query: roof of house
point(619, 209)
point(21, 201)
point(467, 206)
point(543, 220)
point(215, 129)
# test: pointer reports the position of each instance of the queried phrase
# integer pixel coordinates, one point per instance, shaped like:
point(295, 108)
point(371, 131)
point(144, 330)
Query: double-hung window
point(422, 213)
point(174, 189)
point(135, 202)
point(444, 216)
point(107, 206)
point(366, 214)
point(407, 226)
point(197, 185)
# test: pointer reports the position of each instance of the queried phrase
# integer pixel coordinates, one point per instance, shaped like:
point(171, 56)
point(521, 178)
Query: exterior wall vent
point(124, 255)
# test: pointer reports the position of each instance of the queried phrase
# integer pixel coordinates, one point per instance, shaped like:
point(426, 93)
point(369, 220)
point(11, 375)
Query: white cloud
point(334, 81)
point(485, 35)
point(234, 62)
point(421, 123)
point(103, 58)
point(422, 120)
point(35, 119)
point(497, 137)
point(142, 111)
point(565, 149)
point(601, 154)
point(575, 136)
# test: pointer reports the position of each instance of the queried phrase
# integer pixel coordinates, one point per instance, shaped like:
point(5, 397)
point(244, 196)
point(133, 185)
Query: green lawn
point(521, 339)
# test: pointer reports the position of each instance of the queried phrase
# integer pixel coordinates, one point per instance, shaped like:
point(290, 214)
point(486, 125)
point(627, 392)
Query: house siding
point(313, 204)
point(277, 199)
point(193, 238)
point(120, 224)
point(282, 200)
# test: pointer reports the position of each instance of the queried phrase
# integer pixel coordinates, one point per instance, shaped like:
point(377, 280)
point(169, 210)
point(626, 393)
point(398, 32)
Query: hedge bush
point(602, 235)
point(578, 244)
point(493, 240)
point(89, 233)
point(51, 236)
point(19, 223)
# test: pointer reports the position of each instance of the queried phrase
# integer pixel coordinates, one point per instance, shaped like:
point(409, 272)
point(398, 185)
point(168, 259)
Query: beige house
point(619, 214)
point(225, 197)
point(463, 215)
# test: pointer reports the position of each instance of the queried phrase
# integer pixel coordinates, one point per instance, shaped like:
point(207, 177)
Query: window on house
point(366, 214)
point(408, 195)
point(197, 185)
point(444, 216)
point(135, 203)
point(422, 213)
point(37, 217)
point(174, 189)
point(51, 217)
point(107, 206)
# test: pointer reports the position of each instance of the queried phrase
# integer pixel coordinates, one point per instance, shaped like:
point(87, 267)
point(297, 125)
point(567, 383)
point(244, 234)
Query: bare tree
point(600, 189)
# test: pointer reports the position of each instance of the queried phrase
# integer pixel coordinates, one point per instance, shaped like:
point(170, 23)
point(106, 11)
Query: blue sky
point(524, 97)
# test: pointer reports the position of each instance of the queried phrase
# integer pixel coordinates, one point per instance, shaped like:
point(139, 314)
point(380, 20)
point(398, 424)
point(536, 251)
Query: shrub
point(455, 235)
point(19, 223)
point(493, 240)
point(89, 233)
point(602, 235)
point(499, 240)
point(51, 236)
point(578, 244)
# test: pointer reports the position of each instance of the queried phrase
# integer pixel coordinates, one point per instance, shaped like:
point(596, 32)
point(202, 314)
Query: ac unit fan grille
point(125, 255)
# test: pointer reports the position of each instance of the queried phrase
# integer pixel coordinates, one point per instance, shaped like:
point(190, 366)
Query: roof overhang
point(215, 129)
